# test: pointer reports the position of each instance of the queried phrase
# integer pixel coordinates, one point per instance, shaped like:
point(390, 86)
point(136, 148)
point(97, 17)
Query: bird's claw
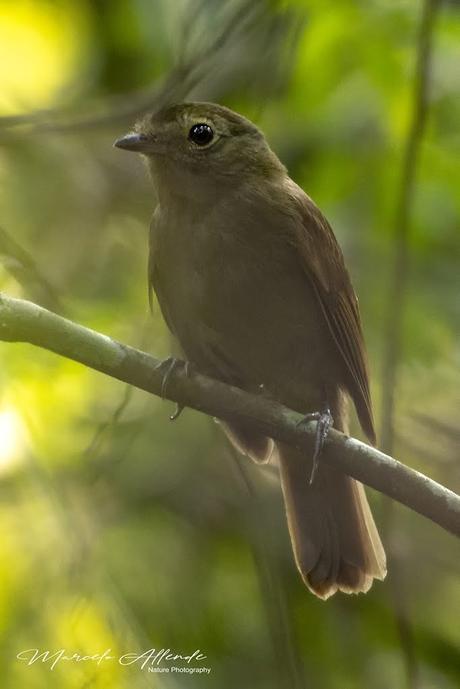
point(323, 424)
point(177, 412)
point(324, 421)
point(169, 365)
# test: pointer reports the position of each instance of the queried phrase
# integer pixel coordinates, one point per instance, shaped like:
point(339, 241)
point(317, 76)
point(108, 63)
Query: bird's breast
point(236, 294)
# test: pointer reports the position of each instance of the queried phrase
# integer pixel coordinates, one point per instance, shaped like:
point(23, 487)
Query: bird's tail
point(334, 538)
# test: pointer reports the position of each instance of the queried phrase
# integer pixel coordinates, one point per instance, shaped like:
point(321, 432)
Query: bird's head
point(197, 140)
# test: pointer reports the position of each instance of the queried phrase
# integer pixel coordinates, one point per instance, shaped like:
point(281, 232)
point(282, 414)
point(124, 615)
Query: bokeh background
point(121, 530)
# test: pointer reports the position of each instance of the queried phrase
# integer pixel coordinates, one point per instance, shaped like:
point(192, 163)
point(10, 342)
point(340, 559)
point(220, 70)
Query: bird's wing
point(322, 260)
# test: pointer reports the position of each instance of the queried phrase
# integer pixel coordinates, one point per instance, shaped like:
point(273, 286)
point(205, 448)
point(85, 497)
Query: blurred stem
point(24, 269)
point(286, 655)
point(397, 296)
point(204, 50)
point(23, 321)
point(399, 272)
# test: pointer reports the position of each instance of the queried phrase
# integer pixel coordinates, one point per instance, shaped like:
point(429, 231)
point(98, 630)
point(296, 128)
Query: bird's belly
point(253, 330)
point(275, 339)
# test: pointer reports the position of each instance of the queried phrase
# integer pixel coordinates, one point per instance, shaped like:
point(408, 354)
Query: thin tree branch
point(23, 267)
point(285, 647)
point(397, 298)
point(399, 272)
point(23, 321)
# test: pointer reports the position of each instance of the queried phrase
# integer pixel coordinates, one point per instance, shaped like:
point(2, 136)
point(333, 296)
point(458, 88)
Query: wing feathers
point(322, 260)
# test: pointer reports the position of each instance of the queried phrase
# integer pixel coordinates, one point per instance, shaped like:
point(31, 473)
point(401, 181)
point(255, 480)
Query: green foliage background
point(120, 530)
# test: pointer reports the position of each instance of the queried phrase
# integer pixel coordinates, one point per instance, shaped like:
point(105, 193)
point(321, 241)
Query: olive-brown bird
point(252, 283)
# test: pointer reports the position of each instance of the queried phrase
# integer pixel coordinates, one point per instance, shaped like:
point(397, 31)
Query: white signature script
point(143, 660)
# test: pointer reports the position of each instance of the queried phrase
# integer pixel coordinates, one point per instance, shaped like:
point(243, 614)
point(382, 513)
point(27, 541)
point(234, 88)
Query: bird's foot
point(177, 412)
point(167, 366)
point(324, 421)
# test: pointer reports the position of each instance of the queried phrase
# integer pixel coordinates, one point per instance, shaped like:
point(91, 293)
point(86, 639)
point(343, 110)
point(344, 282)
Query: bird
point(253, 286)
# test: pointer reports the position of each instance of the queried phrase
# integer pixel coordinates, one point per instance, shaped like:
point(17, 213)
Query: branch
point(398, 280)
point(24, 269)
point(397, 298)
point(23, 321)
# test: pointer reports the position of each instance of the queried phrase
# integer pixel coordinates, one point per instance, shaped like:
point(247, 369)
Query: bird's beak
point(134, 142)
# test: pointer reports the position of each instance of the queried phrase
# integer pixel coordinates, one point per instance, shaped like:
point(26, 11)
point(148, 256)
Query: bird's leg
point(168, 366)
point(324, 421)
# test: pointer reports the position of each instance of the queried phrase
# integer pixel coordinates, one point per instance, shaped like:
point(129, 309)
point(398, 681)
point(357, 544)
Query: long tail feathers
point(334, 538)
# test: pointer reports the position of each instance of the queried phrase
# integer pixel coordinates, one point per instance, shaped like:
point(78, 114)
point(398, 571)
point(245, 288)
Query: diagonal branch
point(23, 321)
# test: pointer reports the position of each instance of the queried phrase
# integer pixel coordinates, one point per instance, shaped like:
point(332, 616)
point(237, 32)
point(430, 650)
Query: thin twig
point(23, 267)
point(285, 649)
point(397, 297)
point(400, 270)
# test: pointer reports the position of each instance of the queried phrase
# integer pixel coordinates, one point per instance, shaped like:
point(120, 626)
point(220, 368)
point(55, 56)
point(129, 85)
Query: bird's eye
point(201, 134)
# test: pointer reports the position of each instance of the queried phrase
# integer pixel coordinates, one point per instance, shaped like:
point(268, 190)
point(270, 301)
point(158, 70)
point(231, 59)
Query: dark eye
point(201, 134)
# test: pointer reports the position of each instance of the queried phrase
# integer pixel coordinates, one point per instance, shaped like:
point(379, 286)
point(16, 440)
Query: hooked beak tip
point(132, 142)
